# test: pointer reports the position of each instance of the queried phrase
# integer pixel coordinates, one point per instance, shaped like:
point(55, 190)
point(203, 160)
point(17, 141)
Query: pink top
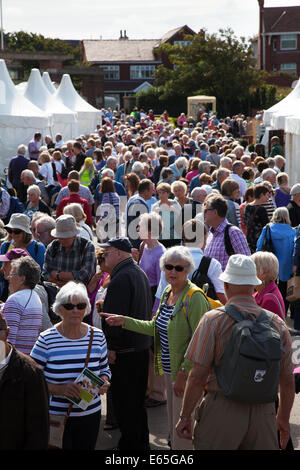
point(270, 298)
point(190, 175)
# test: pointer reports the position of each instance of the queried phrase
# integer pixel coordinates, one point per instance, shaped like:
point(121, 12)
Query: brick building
point(279, 42)
point(128, 65)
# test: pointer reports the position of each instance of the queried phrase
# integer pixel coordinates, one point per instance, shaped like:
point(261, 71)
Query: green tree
point(211, 64)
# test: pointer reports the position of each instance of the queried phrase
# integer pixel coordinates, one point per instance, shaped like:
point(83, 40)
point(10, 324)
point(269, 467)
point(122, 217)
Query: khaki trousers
point(222, 424)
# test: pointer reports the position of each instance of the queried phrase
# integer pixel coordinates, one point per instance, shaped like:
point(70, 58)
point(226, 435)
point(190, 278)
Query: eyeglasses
point(15, 231)
point(80, 306)
point(177, 268)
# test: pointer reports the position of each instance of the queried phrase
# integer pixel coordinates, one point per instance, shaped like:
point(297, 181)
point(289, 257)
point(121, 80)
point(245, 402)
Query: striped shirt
point(215, 245)
point(161, 324)
point(63, 359)
point(214, 330)
point(23, 313)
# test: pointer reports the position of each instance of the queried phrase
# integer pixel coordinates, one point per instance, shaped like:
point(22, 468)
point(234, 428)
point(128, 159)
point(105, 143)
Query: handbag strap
point(85, 365)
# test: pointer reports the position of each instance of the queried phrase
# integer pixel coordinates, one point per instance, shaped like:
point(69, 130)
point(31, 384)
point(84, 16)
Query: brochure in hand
point(90, 384)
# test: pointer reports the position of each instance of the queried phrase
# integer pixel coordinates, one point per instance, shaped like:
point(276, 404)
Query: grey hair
point(47, 221)
point(30, 269)
point(111, 160)
point(202, 165)
point(268, 172)
point(177, 253)
point(137, 166)
point(108, 172)
point(22, 149)
point(67, 293)
point(34, 189)
point(181, 162)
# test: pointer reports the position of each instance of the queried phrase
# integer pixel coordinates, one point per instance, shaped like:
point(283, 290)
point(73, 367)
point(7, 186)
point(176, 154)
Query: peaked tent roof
point(47, 81)
point(88, 116)
point(19, 118)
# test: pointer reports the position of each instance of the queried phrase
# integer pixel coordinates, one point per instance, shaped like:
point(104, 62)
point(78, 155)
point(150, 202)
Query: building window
point(292, 68)
point(111, 72)
point(288, 41)
point(274, 67)
point(274, 44)
point(182, 43)
point(141, 71)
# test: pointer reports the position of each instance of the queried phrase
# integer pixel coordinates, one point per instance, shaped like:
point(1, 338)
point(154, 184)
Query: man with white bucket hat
point(224, 423)
point(68, 257)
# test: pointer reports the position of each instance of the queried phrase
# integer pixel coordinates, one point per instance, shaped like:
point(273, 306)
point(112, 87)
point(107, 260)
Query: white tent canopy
point(281, 105)
point(47, 81)
point(63, 120)
point(19, 118)
point(88, 116)
point(287, 108)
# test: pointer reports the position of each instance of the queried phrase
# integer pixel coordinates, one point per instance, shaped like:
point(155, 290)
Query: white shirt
point(46, 171)
point(242, 183)
point(214, 271)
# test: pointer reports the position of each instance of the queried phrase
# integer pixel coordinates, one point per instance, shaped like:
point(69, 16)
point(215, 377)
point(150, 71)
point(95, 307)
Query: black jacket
point(294, 211)
point(129, 294)
point(79, 161)
point(24, 415)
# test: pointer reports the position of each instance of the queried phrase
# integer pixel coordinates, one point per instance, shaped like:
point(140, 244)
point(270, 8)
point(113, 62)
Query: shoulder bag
point(58, 422)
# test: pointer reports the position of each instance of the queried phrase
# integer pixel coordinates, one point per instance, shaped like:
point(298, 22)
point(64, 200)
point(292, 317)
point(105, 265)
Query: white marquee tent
point(63, 120)
point(88, 116)
point(19, 118)
point(287, 108)
point(292, 146)
point(47, 81)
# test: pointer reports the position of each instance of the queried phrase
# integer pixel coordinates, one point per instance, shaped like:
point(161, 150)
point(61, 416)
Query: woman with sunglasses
point(172, 328)
point(21, 237)
point(62, 351)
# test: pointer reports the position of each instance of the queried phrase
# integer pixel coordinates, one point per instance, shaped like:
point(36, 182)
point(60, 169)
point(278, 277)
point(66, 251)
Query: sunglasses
point(15, 231)
point(80, 306)
point(169, 267)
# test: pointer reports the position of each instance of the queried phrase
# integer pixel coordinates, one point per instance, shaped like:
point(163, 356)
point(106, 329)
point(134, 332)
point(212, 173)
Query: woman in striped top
point(61, 351)
point(172, 328)
point(23, 308)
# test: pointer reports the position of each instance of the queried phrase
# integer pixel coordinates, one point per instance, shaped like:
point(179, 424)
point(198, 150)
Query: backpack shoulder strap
point(233, 313)
point(228, 245)
point(204, 265)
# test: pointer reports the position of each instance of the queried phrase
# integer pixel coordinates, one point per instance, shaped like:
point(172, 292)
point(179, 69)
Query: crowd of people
point(118, 251)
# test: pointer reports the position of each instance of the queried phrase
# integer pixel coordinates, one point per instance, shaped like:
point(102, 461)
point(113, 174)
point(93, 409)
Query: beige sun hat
point(20, 221)
point(65, 227)
point(240, 270)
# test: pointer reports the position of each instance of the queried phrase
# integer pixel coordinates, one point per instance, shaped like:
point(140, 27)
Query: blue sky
point(92, 19)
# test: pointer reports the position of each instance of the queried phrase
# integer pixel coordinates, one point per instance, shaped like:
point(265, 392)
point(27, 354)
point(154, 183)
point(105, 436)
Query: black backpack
point(228, 245)
point(200, 277)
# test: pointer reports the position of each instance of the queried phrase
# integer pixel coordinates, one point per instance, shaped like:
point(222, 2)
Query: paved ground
point(159, 430)
point(157, 418)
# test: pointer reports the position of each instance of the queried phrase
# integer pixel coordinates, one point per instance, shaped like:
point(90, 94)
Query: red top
point(83, 202)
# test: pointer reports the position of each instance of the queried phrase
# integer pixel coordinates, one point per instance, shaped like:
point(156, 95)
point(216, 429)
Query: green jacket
point(180, 330)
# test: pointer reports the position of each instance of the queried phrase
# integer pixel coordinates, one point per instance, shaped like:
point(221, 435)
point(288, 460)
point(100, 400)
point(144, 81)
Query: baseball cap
point(14, 253)
point(120, 243)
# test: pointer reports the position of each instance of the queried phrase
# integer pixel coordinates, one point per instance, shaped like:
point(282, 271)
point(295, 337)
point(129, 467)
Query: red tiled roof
point(282, 19)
